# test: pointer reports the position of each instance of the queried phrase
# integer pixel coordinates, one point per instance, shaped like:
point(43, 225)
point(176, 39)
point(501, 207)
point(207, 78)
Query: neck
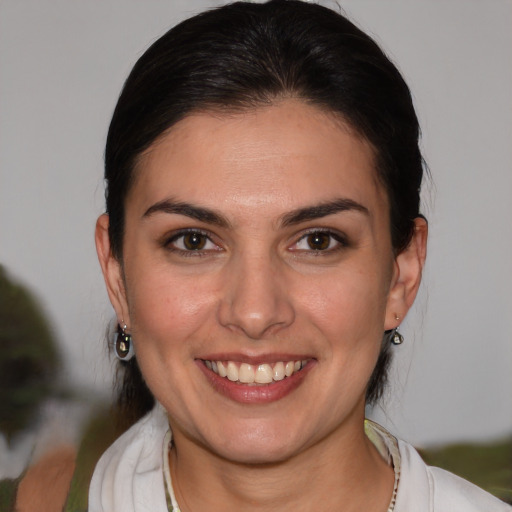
point(343, 469)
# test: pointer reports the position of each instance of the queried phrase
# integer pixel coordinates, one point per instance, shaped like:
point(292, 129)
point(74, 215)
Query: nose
point(254, 298)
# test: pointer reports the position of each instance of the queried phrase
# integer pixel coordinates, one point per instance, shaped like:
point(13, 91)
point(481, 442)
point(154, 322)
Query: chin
point(257, 445)
point(258, 455)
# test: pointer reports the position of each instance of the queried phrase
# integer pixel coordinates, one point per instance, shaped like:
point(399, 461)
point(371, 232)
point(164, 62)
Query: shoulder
point(132, 466)
point(441, 490)
point(52, 470)
point(451, 491)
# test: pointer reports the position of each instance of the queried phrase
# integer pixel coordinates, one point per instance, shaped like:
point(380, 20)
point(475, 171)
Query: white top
point(129, 475)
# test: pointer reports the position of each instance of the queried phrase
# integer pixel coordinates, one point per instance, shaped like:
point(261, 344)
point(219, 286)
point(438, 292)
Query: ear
point(112, 270)
point(407, 275)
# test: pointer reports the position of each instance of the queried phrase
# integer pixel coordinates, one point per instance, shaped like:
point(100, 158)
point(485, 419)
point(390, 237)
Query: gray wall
point(62, 65)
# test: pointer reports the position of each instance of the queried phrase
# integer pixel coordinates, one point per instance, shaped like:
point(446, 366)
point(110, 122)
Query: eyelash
point(340, 240)
point(170, 243)
point(205, 236)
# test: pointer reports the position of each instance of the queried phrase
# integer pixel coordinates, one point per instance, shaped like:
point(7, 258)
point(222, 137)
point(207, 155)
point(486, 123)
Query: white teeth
point(263, 373)
point(232, 371)
point(221, 369)
point(278, 373)
point(246, 373)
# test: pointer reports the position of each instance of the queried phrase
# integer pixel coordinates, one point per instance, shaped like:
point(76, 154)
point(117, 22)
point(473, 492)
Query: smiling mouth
point(264, 373)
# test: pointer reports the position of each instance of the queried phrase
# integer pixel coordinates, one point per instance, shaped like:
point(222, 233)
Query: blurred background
point(62, 65)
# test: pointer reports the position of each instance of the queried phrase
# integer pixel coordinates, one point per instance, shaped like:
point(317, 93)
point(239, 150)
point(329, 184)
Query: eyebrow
point(322, 210)
point(289, 219)
point(188, 210)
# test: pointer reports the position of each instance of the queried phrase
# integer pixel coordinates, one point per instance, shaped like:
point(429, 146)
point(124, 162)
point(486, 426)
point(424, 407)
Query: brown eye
point(194, 241)
point(191, 242)
point(318, 241)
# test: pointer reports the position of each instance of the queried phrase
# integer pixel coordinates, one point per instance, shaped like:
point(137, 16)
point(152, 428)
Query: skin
point(52, 471)
point(259, 290)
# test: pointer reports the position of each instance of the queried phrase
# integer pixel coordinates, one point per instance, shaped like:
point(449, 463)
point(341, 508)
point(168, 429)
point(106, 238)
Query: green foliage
point(7, 494)
point(487, 465)
point(28, 356)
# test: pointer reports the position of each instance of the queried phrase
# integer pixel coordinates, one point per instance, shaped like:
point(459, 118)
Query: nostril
point(257, 325)
point(254, 299)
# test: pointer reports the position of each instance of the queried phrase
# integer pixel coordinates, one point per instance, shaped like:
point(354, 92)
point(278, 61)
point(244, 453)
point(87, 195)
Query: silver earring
point(396, 337)
point(123, 345)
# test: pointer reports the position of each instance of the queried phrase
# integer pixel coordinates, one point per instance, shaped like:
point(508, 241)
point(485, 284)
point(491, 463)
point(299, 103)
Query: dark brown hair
point(244, 55)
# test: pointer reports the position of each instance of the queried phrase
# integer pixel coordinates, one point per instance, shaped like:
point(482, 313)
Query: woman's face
point(257, 245)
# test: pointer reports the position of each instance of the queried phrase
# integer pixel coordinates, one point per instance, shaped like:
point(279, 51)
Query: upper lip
point(254, 358)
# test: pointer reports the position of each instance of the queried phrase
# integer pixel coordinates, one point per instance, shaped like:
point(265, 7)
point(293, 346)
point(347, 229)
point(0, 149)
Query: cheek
point(165, 307)
point(167, 312)
point(352, 301)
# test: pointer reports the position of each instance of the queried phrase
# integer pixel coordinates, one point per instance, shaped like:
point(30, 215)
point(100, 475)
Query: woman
point(262, 243)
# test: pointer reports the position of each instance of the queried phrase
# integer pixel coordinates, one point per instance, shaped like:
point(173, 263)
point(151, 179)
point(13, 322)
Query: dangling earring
point(396, 337)
point(123, 345)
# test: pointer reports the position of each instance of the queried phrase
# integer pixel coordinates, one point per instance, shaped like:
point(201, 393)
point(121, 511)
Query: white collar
point(384, 442)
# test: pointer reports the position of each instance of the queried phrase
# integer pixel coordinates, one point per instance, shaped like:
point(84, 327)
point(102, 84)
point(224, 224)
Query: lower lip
point(256, 394)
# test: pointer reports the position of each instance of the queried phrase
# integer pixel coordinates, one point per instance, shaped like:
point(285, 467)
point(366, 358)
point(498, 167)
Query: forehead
point(288, 152)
